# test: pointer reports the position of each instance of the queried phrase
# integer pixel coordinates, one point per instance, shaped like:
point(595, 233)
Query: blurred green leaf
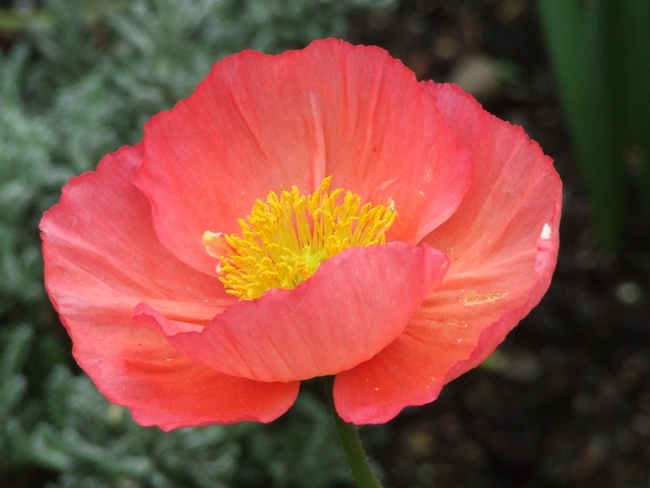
point(575, 46)
point(600, 51)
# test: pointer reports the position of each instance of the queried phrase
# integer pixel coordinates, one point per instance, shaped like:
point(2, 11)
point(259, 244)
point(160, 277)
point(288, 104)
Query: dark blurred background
point(564, 402)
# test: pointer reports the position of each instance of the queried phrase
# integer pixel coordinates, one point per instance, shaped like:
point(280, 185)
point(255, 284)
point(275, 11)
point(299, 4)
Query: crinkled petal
point(135, 366)
point(101, 259)
point(260, 123)
point(100, 236)
point(351, 308)
point(502, 242)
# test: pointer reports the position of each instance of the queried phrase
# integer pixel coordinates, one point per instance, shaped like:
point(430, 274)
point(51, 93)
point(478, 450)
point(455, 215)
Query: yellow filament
point(285, 239)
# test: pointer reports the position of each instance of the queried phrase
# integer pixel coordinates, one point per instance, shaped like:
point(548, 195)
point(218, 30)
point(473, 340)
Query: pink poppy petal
point(502, 242)
point(260, 123)
point(428, 354)
point(135, 366)
point(100, 238)
point(514, 199)
point(356, 304)
point(377, 390)
point(102, 259)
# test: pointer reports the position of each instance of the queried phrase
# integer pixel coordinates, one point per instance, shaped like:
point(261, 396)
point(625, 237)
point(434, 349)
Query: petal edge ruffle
point(261, 123)
point(101, 259)
point(502, 243)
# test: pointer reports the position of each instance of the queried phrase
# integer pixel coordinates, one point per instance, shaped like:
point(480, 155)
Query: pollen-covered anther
point(285, 239)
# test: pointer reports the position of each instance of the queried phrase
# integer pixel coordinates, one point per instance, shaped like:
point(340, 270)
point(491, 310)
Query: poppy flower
point(313, 213)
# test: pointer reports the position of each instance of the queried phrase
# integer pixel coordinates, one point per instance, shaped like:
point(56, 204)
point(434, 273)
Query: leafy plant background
point(564, 402)
point(78, 80)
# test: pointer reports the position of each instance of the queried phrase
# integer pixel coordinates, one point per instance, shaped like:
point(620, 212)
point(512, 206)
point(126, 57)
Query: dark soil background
point(565, 401)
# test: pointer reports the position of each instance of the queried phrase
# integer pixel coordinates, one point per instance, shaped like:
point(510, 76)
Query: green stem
point(351, 444)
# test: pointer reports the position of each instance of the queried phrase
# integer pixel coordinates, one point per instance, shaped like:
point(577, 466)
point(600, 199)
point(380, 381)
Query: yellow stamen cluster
point(284, 240)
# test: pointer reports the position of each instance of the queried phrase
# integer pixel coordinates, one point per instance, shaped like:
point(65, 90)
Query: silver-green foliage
point(79, 80)
point(85, 77)
point(73, 430)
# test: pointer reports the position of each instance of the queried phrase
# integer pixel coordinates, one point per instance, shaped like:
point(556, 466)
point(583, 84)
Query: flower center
point(285, 239)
